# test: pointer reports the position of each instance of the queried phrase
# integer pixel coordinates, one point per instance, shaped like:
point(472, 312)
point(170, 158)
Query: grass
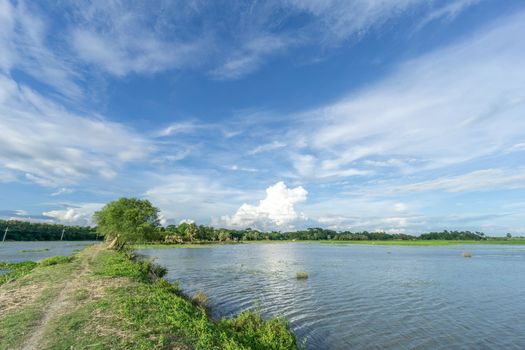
point(301, 275)
point(55, 260)
point(33, 250)
point(123, 303)
point(15, 270)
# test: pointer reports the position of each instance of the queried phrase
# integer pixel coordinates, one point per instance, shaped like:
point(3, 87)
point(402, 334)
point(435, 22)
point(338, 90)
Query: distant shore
point(207, 244)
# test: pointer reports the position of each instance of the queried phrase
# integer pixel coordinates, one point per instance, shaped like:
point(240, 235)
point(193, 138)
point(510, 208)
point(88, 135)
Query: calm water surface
point(12, 251)
point(373, 297)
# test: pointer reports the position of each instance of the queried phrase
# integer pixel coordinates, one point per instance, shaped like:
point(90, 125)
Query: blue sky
point(403, 116)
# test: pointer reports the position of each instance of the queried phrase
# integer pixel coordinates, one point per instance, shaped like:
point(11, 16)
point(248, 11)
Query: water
point(373, 297)
point(12, 251)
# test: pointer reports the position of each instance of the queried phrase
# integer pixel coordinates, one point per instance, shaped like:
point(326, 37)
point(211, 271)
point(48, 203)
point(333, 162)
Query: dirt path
point(63, 303)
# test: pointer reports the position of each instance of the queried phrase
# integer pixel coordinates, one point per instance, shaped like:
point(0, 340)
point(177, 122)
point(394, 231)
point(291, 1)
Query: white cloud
point(123, 38)
point(488, 179)
point(193, 196)
point(54, 147)
point(277, 210)
point(437, 110)
point(23, 43)
point(267, 147)
point(250, 55)
point(448, 11)
point(61, 191)
point(75, 215)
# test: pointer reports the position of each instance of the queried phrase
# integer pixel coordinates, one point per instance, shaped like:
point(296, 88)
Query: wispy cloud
point(53, 147)
point(24, 45)
point(488, 179)
point(437, 110)
point(267, 147)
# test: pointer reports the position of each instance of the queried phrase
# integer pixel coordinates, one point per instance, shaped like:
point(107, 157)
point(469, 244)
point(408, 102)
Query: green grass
point(15, 270)
point(55, 260)
point(15, 325)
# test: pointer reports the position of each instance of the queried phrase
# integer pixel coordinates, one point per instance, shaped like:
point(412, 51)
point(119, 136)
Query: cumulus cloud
point(193, 196)
point(277, 210)
point(75, 215)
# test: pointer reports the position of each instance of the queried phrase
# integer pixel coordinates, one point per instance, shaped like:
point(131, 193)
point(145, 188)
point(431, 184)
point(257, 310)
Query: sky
point(402, 116)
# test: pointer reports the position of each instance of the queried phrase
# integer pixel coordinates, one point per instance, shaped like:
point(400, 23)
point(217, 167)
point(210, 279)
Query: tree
point(128, 220)
point(509, 236)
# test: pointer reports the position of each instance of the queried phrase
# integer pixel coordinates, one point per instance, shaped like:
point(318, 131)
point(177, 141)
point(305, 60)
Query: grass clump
point(301, 275)
point(467, 255)
point(55, 260)
point(15, 270)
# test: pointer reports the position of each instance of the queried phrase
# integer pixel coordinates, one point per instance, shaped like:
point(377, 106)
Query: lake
point(21, 250)
point(360, 296)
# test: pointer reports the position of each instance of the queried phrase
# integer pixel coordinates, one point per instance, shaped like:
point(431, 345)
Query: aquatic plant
point(201, 299)
point(467, 255)
point(301, 275)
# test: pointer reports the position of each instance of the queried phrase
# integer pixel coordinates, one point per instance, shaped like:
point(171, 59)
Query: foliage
point(129, 219)
point(30, 231)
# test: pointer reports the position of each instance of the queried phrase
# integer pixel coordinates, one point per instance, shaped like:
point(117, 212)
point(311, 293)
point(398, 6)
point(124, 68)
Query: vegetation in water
point(467, 255)
point(301, 275)
point(33, 250)
point(15, 270)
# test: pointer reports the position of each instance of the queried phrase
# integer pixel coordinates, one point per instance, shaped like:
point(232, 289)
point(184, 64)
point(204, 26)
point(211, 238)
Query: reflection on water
point(366, 296)
point(20, 251)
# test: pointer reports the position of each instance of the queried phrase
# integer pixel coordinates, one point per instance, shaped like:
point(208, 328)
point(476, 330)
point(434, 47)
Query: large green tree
point(129, 220)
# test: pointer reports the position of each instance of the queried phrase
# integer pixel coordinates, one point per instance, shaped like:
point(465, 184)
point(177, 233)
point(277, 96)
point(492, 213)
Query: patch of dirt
point(14, 298)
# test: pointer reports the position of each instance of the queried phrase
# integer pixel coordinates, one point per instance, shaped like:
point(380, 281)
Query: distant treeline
point(187, 232)
point(29, 231)
point(191, 232)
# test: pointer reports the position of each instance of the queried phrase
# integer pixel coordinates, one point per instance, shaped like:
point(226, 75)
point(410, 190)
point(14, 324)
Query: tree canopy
point(129, 219)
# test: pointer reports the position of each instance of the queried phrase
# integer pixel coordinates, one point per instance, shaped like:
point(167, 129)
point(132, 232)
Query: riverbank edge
point(211, 244)
point(140, 308)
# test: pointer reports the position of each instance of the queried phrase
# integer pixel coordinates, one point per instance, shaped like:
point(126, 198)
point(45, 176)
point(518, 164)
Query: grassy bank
point(102, 299)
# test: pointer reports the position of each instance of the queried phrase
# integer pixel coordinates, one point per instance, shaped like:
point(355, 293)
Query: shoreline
point(109, 299)
point(416, 243)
